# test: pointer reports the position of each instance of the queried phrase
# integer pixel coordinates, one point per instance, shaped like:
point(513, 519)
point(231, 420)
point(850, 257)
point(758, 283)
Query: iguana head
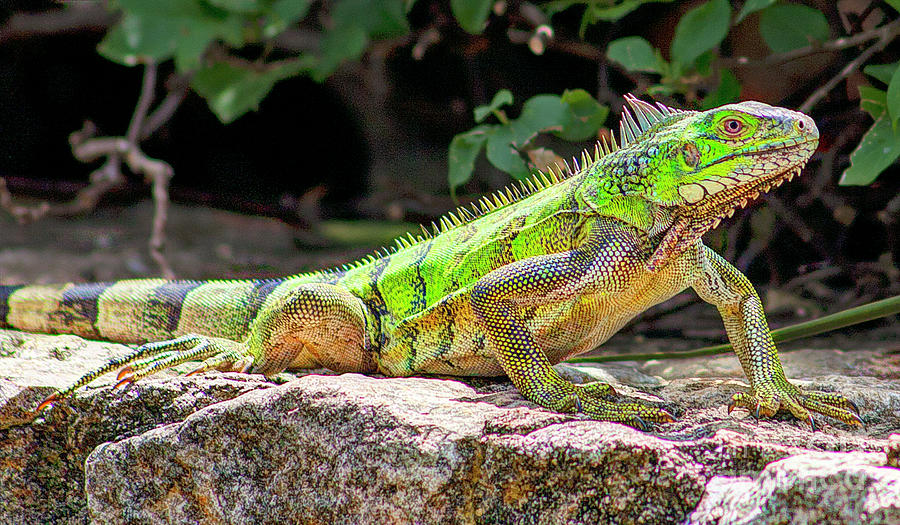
point(708, 163)
point(701, 166)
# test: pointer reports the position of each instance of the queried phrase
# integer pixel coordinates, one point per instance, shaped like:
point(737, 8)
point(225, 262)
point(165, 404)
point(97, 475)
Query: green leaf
point(881, 72)
point(356, 22)
point(232, 90)
point(159, 30)
point(703, 64)
point(539, 113)
point(502, 154)
point(790, 26)
point(877, 150)
point(635, 54)
point(586, 115)
point(171, 8)
point(893, 98)
point(137, 39)
point(348, 43)
point(471, 14)
point(894, 3)
point(752, 6)
point(608, 11)
point(873, 101)
point(728, 90)
point(238, 6)
point(283, 13)
point(464, 149)
point(700, 29)
point(381, 18)
point(501, 98)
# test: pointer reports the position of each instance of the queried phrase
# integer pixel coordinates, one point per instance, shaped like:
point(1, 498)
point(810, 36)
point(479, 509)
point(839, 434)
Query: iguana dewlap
point(532, 276)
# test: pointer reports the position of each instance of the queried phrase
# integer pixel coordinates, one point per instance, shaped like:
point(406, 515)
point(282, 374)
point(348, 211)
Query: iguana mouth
point(694, 220)
point(739, 189)
point(724, 203)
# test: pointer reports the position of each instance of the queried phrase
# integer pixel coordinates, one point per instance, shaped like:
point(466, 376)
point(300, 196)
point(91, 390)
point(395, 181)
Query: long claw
point(731, 406)
point(124, 381)
point(756, 414)
point(123, 371)
point(198, 370)
point(812, 423)
point(643, 424)
point(857, 421)
point(52, 398)
point(854, 408)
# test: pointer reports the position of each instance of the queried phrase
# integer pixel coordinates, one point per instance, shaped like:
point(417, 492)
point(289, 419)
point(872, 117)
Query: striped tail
point(136, 311)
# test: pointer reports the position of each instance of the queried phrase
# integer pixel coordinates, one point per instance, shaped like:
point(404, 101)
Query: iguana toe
point(764, 401)
point(636, 415)
point(596, 390)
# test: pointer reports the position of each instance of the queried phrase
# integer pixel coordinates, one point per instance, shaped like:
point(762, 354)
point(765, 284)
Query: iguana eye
point(732, 127)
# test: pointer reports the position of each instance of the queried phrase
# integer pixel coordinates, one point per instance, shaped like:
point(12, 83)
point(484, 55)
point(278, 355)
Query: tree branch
point(891, 32)
point(76, 17)
point(88, 148)
point(884, 33)
point(148, 92)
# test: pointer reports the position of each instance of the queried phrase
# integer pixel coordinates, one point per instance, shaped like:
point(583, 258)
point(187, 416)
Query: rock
point(839, 487)
point(42, 465)
point(355, 449)
point(892, 451)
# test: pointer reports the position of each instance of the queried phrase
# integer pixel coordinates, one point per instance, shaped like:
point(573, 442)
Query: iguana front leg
point(599, 266)
point(722, 285)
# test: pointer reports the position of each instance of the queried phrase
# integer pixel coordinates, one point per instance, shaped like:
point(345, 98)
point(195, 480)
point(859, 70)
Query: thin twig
point(791, 218)
point(148, 92)
point(160, 173)
point(178, 90)
point(886, 32)
point(76, 17)
point(88, 148)
point(885, 37)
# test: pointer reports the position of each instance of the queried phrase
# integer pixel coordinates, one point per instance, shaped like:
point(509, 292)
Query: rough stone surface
point(232, 448)
point(850, 488)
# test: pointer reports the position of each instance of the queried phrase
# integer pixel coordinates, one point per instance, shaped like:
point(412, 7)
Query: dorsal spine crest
point(631, 127)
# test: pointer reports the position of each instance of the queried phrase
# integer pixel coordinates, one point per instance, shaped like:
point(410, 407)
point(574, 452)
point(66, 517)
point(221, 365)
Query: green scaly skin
point(536, 275)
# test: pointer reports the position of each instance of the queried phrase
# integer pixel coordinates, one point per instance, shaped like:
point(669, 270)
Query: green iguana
point(534, 275)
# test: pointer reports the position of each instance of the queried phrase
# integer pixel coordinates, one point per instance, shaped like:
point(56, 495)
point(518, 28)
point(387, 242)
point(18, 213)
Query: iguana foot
point(154, 357)
point(632, 414)
point(767, 399)
point(221, 353)
point(592, 400)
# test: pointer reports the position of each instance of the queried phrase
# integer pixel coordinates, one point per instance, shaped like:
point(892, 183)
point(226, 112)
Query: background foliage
point(210, 40)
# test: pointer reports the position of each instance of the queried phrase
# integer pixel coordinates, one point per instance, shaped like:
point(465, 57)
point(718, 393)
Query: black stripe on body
point(445, 341)
point(256, 298)
point(164, 304)
point(419, 285)
point(81, 302)
point(375, 302)
point(5, 293)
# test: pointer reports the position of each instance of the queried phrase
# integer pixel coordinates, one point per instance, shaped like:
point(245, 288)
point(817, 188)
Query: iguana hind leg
point(601, 263)
point(313, 326)
point(307, 326)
